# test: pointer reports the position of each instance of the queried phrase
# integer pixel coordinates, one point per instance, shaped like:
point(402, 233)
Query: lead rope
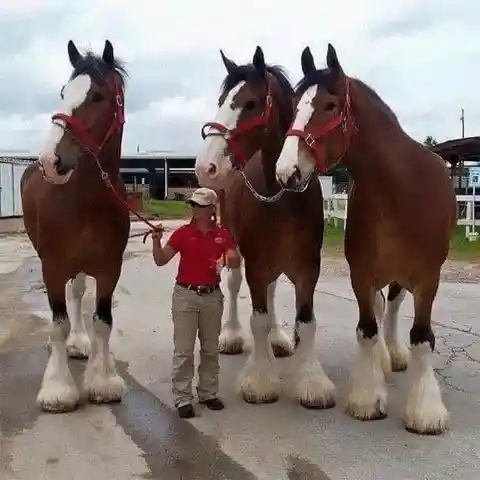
point(220, 214)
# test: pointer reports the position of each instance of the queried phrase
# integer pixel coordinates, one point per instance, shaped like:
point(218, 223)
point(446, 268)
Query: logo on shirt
point(220, 240)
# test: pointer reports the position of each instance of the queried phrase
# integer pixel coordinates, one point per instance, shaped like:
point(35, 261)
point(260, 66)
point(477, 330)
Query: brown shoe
point(213, 404)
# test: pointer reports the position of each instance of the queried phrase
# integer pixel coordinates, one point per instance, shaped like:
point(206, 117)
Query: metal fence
point(11, 171)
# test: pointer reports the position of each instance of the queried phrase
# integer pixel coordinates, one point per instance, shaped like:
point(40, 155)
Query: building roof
point(458, 147)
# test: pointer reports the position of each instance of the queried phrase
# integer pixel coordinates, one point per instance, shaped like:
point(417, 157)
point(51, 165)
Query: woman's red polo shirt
point(199, 253)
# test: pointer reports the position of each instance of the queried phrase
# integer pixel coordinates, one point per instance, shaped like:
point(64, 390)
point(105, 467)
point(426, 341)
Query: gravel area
point(453, 271)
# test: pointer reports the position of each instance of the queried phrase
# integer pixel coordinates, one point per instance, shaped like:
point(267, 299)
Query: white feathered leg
point(78, 342)
point(282, 344)
point(313, 388)
point(425, 412)
point(101, 381)
point(231, 340)
point(259, 381)
point(397, 347)
point(58, 392)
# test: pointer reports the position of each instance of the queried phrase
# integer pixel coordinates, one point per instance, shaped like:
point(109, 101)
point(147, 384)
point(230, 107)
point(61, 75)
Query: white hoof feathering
point(367, 398)
point(425, 412)
point(282, 344)
point(231, 340)
point(313, 388)
point(78, 345)
point(58, 392)
point(259, 381)
point(399, 352)
point(101, 381)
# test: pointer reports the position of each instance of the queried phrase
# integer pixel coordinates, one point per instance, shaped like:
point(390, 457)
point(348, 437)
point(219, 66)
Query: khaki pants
point(191, 313)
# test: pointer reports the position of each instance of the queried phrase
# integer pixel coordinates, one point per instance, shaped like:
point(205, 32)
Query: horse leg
point(101, 381)
point(281, 343)
point(231, 340)
point(78, 342)
point(313, 388)
point(58, 392)
point(367, 398)
point(259, 381)
point(424, 412)
point(398, 349)
point(379, 310)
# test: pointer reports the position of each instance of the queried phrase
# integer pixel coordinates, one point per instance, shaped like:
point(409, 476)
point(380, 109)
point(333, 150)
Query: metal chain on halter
point(274, 198)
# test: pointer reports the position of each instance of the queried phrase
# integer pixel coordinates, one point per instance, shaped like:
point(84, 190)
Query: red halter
point(80, 132)
point(232, 135)
point(313, 133)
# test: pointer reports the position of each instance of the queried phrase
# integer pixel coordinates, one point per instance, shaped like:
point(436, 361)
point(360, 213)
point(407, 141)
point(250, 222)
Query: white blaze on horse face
point(74, 94)
point(292, 156)
point(212, 164)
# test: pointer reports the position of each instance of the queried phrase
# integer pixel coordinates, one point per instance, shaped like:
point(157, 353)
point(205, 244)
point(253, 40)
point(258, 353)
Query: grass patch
point(460, 247)
point(167, 209)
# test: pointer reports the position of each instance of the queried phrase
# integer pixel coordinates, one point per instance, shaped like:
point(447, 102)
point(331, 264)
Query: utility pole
point(462, 119)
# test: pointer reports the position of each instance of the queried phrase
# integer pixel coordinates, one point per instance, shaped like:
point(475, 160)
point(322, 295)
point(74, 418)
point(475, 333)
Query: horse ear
point(308, 63)
point(107, 55)
point(259, 61)
point(230, 65)
point(332, 61)
point(73, 54)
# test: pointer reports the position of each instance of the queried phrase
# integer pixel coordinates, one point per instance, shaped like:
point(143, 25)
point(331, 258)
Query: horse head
point(323, 125)
point(91, 114)
point(254, 107)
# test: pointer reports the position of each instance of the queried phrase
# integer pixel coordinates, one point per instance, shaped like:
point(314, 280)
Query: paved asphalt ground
point(141, 438)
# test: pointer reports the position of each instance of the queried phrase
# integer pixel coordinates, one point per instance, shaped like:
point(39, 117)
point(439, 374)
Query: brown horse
point(401, 216)
point(77, 225)
point(387, 319)
point(277, 231)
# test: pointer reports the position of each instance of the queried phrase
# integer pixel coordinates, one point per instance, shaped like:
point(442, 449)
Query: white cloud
point(421, 57)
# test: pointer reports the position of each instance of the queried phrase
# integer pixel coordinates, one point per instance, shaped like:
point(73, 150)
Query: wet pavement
point(142, 438)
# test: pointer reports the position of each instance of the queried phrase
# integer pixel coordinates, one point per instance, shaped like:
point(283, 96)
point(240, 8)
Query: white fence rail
point(335, 209)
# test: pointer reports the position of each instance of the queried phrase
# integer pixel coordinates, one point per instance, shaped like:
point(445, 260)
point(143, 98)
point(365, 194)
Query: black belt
point(200, 289)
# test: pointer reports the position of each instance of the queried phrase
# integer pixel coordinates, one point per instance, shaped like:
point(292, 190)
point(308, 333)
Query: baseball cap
point(203, 196)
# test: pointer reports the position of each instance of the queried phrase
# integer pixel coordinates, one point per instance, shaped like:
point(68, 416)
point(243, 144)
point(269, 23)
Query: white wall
point(327, 186)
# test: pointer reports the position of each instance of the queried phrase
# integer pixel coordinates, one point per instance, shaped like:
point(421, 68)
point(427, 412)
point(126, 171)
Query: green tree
point(430, 141)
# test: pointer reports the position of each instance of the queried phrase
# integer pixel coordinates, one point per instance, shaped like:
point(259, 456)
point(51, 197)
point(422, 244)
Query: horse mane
point(324, 79)
point(248, 73)
point(94, 65)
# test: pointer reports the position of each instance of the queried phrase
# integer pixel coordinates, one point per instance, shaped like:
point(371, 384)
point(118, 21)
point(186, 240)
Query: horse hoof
point(255, 400)
point(322, 404)
point(280, 351)
point(282, 345)
point(231, 342)
point(368, 412)
point(109, 390)
point(60, 400)
point(78, 346)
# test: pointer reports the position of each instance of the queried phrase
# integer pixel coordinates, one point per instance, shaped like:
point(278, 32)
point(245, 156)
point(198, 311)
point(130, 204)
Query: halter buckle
point(310, 140)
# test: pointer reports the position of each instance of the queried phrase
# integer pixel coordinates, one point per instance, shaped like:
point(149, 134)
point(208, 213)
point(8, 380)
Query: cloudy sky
point(421, 56)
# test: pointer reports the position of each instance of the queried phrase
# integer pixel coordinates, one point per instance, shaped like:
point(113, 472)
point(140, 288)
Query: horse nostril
point(60, 166)
point(212, 169)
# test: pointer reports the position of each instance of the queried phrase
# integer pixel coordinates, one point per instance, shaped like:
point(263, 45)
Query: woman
point(197, 301)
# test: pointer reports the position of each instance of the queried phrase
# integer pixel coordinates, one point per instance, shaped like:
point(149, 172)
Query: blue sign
point(474, 177)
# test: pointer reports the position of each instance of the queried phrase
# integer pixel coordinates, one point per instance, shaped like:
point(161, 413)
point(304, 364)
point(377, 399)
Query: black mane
point(97, 68)
point(248, 73)
point(323, 79)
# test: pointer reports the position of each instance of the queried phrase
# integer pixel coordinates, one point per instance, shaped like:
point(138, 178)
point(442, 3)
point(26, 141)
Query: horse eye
point(97, 97)
point(330, 106)
point(250, 105)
